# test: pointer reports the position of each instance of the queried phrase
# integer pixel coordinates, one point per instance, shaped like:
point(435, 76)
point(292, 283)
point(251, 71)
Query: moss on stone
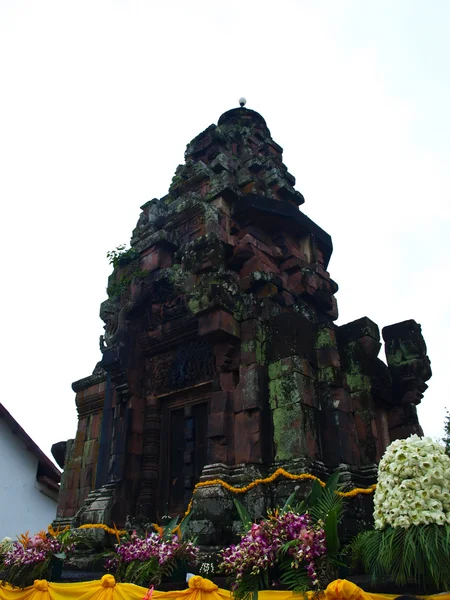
point(358, 382)
point(261, 343)
point(288, 439)
point(286, 391)
point(324, 338)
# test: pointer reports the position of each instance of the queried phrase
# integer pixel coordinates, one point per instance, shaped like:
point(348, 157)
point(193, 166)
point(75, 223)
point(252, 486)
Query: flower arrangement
point(32, 557)
point(299, 545)
point(413, 484)
point(411, 535)
point(262, 547)
point(145, 560)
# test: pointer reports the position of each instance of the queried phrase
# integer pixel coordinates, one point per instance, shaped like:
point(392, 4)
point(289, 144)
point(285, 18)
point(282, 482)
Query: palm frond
point(296, 580)
point(247, 589)
point(419, 554)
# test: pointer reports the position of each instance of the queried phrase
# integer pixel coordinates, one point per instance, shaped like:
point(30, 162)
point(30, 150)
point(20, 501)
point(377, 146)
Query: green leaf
point(315, 493)
point(331, 533)
point(243, 513)
point(185, 524)
point(333, 482)
point(289, 502)
point(167, 529)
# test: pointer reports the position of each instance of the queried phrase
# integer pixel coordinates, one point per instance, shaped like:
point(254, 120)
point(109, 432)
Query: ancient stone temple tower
point(221, 357)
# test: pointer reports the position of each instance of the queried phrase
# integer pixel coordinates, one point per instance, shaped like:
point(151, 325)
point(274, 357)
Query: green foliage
point(145, 573)
point(248, 588)
point(289, 502)
point(120, 256)
point(326, 506)
point(419, 555)
point(446, 438)
point(296, 580)
point(118, 287)
point(326, 509)
point(150, 572)
point(21, 575)
point(243, 513)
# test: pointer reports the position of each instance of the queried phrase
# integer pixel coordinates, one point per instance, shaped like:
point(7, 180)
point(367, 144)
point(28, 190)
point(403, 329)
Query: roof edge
point(50, 469)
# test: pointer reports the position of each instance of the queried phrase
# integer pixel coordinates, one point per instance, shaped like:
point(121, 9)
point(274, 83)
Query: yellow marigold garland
point(279, 472)
point(111, 530)
point(234, 490)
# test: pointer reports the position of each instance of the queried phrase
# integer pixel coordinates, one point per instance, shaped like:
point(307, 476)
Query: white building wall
point(22, 506)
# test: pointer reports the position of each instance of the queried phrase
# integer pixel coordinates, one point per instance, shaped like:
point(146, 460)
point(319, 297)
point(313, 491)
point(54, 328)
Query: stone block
point(292, 389)
point(290, 364)
point(82, 494)
point(86, 476)
point(358, 329)
point(401, 433)
point(289, 246)
point(249, 330)
point(251, 391)
point(218, 450)
point(90, 452)
point(247, 437)
point(155, 258)
point(137, 420)
point(333, 312)
point(257, 233)
point(220, 402)
point(332, 376)
point(96, 421)
point(358, 382)
point(400, 416)
point(135, 444)
point(226, 354)
point(222, 205)
point(336, 399)
point(229, 381)
point(295, 284)
point(328, 357)
point(294, 264)
point(218, 325)
point(339, 439)
point(259, 263)
point(325, 337)
point(288, 432)
point(73, 479)
point(250, 243)
point(286, 298)
point(217, 424)
point(267, 290)
point(248, 352)
point(291, 334)
point(361, 428)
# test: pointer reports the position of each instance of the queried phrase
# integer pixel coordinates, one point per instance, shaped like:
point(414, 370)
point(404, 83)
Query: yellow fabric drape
point(199, 589)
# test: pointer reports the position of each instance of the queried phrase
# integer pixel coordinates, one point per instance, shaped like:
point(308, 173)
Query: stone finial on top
point(242, 102)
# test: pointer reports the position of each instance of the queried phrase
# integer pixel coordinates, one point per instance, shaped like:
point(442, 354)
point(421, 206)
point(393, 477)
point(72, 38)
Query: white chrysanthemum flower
point(413, 484)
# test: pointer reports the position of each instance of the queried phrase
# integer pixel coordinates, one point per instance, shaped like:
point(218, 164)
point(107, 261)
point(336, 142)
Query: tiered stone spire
point(220, 354)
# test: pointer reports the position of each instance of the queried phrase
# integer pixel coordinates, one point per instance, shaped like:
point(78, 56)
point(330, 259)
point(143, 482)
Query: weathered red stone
point(220, 358)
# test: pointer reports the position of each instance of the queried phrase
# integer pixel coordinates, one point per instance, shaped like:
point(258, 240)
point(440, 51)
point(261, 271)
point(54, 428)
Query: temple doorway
point(183, 447)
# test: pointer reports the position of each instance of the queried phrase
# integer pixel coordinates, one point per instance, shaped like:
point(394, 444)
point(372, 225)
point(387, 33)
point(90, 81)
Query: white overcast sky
point(98, 100)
